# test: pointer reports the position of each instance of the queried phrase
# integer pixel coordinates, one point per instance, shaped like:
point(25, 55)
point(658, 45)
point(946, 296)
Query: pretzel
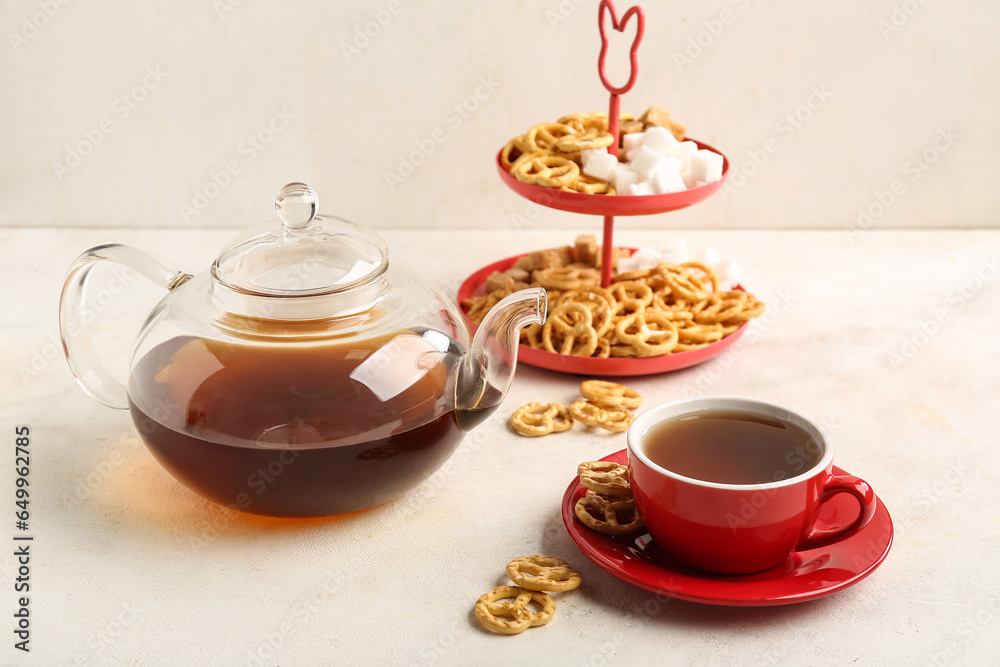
point(512, 602)
point(634, 330)
point(686, 295)
point(562, 278)
point(575, 324)
point(545, 169)
point(585, 139)
point(587, 413)
point(631, 295)
point(543, 573)
point(618, 419)
point(609, 394)
point(544, 136)
point(602, 305)
point(537, 419)
point(720, 307)
point(589, 185)
point(609, 510)
point(606, 478)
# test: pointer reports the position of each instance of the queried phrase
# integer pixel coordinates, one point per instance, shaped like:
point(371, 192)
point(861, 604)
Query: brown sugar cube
point(659, 117)
point(587, 251)
point(545, 259)
point(566, 255)
point(523, 263)
point(630, 126)
point(498, 281)
point(518, 274)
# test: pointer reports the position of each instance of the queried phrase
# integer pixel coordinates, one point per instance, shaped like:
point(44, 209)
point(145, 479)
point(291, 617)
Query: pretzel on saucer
point(606, 478)
point(543, 573)
point(546, 169)
point(634, 330)
point(537, 419)
point(573, 323)
point(617, 516)
point(512, 602)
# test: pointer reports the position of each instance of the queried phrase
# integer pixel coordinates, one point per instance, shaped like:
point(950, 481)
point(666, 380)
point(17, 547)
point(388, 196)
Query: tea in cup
point(734, 485)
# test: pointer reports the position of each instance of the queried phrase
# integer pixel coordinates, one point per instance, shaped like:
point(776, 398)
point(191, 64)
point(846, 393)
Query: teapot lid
point(301, 253)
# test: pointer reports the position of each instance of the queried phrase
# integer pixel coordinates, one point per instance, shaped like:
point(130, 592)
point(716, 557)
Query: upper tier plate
point(578, 202)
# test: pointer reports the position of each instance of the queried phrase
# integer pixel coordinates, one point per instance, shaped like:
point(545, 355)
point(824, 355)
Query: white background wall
point(128, 113)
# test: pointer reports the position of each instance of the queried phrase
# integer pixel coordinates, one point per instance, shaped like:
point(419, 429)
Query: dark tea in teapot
point(297, 430)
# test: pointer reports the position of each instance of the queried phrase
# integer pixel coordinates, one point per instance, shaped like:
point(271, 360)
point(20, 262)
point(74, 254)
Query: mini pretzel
point(583, 140)
point(631, 295)
point(562, 278)
point(537, 419)
point(683, 283)
point(634, 330)
point(587, 413)
point(609, 511)
point(720, 307)
point(575, 324)
point(602, 305)
point(544, 136)
point(546, 169)
point(543, 573)
point(512, 602)
point(609, 394)
point(589, 185)
point(606, 478)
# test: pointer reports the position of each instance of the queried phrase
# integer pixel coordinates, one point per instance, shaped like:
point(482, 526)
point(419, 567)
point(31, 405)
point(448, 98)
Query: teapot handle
point(74, 315)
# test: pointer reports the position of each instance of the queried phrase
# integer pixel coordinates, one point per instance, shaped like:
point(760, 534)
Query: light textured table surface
point(889, 339)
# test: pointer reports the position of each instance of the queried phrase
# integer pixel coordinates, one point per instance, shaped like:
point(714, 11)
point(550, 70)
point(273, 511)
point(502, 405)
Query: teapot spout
point(486, 372)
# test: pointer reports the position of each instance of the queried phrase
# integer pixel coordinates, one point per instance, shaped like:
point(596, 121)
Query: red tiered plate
point(611, 366)
point(578, 202)
point(806, 575)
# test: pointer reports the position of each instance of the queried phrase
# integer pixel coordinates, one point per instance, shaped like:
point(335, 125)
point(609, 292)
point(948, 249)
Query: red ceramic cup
point(738, 528)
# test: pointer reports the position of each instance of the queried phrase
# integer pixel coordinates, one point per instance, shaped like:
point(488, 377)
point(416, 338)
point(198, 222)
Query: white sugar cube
point(729, 272)
point(667, 181)
point(587, 154)
point(684, 150)
point(706, 166)
point(647, 161)
point(708, 256)
point(659, 139)
point(676, 252)
point(600, 166)
point(644, 188)
point(623, 176)
point(633, 140)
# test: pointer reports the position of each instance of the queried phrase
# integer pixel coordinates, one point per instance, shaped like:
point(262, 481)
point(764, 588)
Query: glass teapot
point(302, 375)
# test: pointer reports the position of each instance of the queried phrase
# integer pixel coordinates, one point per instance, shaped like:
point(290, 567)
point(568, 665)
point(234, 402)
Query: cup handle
point(835, 484)
point(74, 317)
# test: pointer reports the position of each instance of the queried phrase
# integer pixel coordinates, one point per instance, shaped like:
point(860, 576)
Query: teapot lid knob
point(296, 205)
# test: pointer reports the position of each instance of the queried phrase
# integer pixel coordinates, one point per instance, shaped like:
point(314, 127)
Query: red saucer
point(578, 202)
point(806, 575)
point(610, 366)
